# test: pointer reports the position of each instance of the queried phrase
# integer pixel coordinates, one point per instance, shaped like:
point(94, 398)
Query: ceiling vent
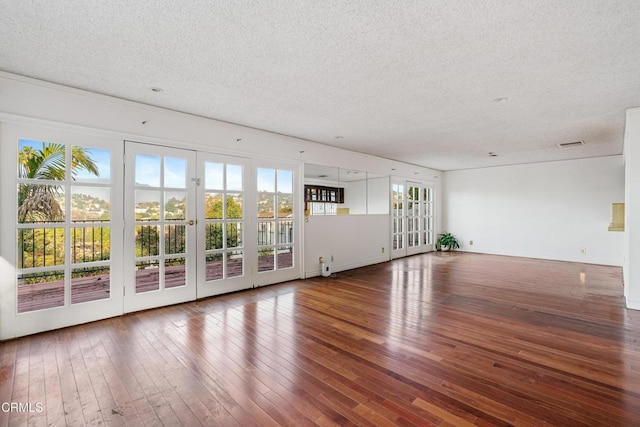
point(570, 144)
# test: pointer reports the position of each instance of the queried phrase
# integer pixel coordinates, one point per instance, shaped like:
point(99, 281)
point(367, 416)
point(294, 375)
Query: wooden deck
point(438, 339)
point(51, 294)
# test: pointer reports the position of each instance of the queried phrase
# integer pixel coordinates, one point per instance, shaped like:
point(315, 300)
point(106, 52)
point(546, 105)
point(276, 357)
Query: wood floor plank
point(434, 339)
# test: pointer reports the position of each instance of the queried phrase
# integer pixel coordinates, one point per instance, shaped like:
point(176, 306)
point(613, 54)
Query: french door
point(412, 218)
point(160, 231)
point(201, 224)
point(60, 252)
point(86, 235)
point(224, 246)
point(276, 222)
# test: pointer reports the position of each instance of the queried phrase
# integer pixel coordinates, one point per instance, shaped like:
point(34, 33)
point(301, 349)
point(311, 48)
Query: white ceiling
point(408, 80)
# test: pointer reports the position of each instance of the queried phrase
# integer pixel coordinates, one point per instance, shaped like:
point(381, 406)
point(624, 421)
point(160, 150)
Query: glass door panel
point(276, 224)
point(160, 232)
point(222, 225)
point(412, 218)
point(398, 219)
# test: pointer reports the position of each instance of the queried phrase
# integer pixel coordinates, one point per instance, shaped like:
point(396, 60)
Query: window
point(64, 224)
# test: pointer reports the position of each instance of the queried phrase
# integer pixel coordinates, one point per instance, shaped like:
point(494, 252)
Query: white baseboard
point(338, 268)
point(633, 305)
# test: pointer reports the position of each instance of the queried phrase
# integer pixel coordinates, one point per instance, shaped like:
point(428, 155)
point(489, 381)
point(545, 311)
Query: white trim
point(633, 305)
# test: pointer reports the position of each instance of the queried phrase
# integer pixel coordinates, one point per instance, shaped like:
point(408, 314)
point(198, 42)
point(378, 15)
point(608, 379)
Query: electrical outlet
point(383, 249)
point(471, 242)
point(583, 251)
point(331, 258)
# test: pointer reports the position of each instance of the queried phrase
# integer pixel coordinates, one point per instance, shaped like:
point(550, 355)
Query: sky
point(148, 172)
point(101, 157)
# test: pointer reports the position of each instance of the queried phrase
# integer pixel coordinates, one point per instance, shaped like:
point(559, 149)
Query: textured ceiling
point(408, 80)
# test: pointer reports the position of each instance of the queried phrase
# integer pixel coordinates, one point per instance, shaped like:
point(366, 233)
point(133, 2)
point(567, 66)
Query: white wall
point(544, 210)
point(33, 101)
point(355, 197)
point(352, 240)
point(632, 210)
point(378, 200)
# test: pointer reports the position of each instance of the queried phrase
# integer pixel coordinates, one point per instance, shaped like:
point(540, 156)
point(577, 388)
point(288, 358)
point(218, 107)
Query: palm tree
point(38, 202)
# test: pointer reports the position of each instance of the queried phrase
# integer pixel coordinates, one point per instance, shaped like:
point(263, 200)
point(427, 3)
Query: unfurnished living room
point(320, 213)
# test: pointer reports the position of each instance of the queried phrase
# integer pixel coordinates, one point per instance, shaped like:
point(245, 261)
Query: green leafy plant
point(447, 242)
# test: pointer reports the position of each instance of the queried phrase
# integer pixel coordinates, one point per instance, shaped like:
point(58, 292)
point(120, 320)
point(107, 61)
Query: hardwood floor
point(436, 339)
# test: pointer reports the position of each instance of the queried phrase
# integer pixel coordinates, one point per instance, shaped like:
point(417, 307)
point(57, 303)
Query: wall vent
point(570, 144)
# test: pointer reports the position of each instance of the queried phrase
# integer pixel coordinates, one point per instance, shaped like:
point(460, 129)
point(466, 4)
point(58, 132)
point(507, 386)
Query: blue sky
point(100, 156)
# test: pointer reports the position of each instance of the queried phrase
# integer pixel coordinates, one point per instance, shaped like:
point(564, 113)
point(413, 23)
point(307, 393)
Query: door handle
point(191, 222)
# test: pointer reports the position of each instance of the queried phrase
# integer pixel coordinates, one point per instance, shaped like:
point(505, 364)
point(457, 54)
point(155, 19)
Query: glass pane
point(285, 206)
point(147, 240)
point(411, 194)
point(147, 170)
point(40, 247)
point(285, 232)
point(265, 259)
point(147, 205)
point(91, 164)
point(285, 181)
point(266, 180)
point(214, 266)
point(175, 172)
point(90, 284)
point(234, 235)
point(40, 203)
point(175, 205)
point(41, 160)
point(147, 276)
point(410, 240)
point(89, 244)
point(213, 236)
point(37, 291)
point(234, 206)
point(175, 272)
point(285, 257)
point(175, 239)
point(234, 178)
point(265, 206)
point(90, 204)
point(235, 263)
point(213, 206)
point(266, 231)
point(213, 176)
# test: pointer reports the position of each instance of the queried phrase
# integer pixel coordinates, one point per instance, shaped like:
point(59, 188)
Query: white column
point(632, 209)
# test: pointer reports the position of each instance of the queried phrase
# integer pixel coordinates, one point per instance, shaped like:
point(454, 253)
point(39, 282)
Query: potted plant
point(447, 242)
